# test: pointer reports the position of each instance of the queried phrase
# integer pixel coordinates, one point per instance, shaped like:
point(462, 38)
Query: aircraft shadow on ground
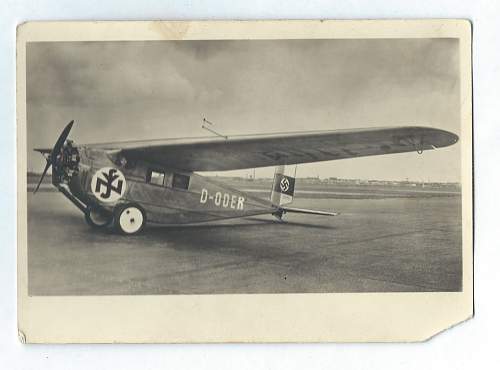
point(248, 223)
point(247, 238)
point(243, 237)
point(159, 230)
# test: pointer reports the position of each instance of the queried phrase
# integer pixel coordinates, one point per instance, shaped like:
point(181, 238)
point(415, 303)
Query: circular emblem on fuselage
point(284, 184)
point(108, 184)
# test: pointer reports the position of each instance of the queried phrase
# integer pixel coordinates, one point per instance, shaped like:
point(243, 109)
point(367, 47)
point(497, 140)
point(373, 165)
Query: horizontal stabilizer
point(308, 211)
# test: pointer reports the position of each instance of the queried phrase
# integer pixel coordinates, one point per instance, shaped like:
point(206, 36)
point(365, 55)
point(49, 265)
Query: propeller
point(52, 157)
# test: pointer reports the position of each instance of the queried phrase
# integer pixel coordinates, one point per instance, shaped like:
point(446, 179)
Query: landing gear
point(129, 218)
point(97, 218)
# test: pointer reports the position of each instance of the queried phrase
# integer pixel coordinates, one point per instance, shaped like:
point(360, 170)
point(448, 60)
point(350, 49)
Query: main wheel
point(129, 219)
point(97, 218)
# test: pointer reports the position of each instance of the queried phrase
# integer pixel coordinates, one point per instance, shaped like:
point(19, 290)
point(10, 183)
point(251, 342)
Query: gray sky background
point(147, 90)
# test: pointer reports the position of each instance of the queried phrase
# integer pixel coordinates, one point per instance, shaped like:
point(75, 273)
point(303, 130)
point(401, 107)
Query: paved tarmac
point(375, 245)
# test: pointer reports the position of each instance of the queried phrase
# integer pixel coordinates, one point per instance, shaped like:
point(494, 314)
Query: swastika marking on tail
point(284, 184)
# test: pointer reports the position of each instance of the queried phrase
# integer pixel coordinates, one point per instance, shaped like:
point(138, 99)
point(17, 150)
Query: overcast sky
point(157, 89)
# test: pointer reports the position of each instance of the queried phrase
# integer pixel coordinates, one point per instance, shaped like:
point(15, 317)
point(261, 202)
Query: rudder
point(283, 186)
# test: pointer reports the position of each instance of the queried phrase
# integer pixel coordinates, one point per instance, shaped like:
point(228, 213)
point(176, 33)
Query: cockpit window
point(155, 177)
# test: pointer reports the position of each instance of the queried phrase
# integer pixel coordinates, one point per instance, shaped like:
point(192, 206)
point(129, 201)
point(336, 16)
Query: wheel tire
point(96, 218)
point(129, 219)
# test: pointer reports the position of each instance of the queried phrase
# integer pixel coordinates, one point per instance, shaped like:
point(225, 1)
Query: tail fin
point(283, 185)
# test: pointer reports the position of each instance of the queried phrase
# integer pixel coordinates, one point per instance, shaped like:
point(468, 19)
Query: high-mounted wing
point(250, 151)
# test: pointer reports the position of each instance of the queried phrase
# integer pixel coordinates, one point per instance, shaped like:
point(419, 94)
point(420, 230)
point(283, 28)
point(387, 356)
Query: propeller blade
point(60, 141)
point(51, 160)
point(47, 166)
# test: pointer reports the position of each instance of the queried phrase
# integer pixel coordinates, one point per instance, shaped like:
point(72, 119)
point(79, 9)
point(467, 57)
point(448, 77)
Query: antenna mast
point(203, 126)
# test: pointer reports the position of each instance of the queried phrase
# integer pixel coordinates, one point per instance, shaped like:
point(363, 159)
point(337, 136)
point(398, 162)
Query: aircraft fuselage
point(167, 196)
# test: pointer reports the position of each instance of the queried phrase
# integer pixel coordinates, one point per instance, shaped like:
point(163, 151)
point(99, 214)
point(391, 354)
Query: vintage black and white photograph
point(217, 181)
point(243, 166)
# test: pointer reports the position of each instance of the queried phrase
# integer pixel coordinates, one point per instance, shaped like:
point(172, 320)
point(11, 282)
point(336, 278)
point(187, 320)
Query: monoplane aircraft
point(129, 184)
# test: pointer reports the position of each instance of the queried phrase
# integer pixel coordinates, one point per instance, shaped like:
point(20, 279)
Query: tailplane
point(308, 211)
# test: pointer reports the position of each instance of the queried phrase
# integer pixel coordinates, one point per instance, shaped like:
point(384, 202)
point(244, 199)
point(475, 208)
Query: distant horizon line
point(313, 178)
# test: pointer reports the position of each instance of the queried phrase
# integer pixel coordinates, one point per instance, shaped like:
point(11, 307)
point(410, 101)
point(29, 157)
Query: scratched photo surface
point(204, 177)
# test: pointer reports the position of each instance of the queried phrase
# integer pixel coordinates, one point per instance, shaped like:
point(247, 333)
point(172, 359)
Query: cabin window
point(180, 181)
point(155, 177)
point(168, 179)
